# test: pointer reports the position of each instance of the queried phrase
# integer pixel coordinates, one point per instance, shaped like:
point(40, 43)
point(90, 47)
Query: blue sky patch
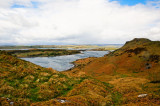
point(133, 2)
point(18, 6)
point(34, 5)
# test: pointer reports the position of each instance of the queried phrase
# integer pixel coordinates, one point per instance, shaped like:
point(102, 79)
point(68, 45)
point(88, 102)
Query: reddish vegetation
point(118, 78)
point(136, 61)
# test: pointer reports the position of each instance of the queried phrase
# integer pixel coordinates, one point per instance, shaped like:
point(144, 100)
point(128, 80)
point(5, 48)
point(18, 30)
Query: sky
point(49, 22)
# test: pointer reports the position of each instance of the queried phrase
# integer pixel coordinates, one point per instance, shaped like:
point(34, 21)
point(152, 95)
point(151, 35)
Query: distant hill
point(85, 46)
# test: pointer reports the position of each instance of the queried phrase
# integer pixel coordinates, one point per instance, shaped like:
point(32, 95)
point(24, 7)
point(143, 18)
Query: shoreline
point(41, 52)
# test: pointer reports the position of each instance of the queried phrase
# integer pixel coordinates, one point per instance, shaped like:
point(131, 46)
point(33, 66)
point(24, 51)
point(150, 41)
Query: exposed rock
point(154, 58)
point(136, 50)
point(8, 99)
point(142, 95)
point(11, 103)
point(62, 100)
point(148, 66)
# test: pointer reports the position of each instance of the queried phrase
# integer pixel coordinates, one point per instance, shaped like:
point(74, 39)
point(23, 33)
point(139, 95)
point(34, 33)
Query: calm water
point(61, 63)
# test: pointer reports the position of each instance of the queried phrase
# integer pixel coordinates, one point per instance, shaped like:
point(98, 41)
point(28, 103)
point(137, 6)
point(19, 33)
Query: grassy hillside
point(129, 76)
point(133, 69)
point(24, 83)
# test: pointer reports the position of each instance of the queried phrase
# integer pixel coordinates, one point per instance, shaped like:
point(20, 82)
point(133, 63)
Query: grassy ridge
point(42, 52)
point(133, 69)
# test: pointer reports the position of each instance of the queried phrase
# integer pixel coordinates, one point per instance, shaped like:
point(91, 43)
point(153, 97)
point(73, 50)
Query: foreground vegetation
point(128, 76)
point(41, 52)
point(23, 82)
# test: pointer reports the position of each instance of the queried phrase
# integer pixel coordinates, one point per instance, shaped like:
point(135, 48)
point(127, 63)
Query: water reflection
point(61, 63)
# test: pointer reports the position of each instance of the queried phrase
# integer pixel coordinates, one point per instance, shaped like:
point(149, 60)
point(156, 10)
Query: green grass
point(65, 91)
point(116, 98)
point(34, 95)
point(123, 75)
point(70, 85)
point(108, 86)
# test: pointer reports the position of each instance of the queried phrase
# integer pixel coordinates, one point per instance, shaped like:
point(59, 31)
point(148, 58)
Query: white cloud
point(76, 21)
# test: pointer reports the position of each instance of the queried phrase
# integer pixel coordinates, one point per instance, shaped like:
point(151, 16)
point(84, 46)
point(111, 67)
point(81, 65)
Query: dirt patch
point(136, 50)
point(154, 58)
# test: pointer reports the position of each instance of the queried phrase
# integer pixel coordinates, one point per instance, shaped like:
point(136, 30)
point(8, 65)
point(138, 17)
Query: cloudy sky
point(39, 22)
